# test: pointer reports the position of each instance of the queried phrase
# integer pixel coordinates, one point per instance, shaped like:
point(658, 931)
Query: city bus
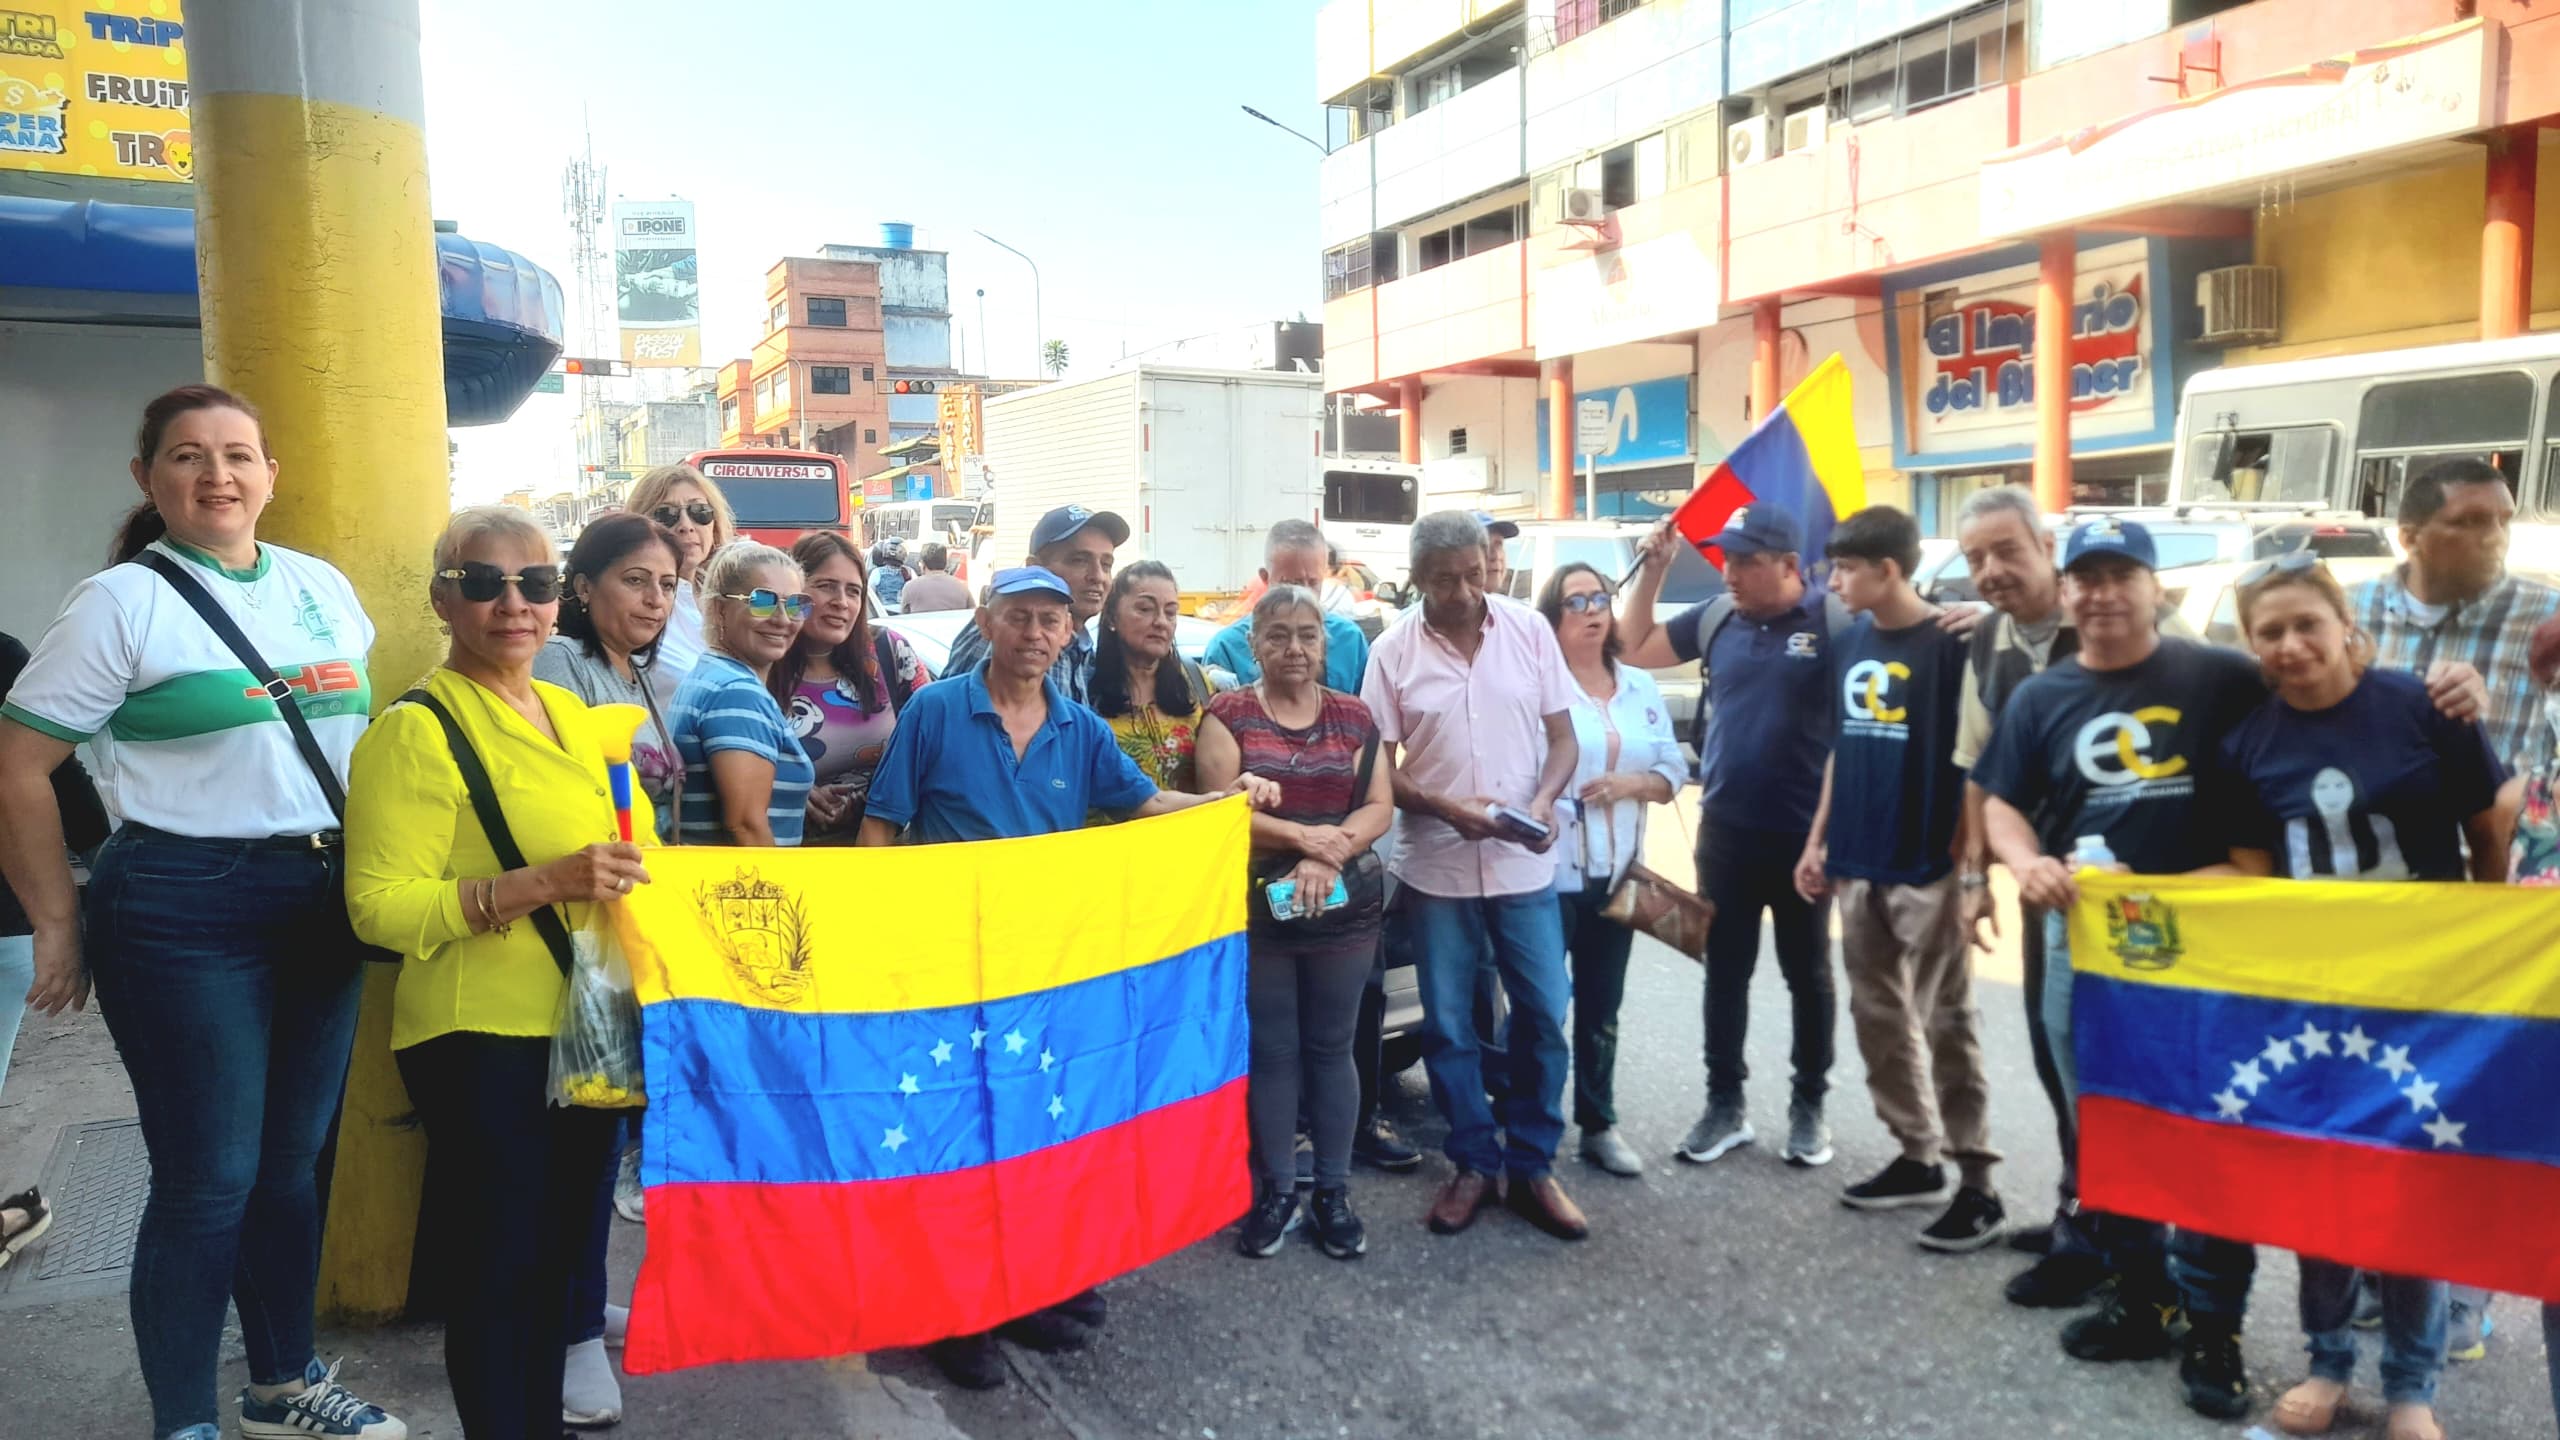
point(2345, 434)
point(781, 495)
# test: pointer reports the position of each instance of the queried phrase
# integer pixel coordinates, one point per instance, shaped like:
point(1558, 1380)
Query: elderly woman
point(485, 940)
point(692, 509)
point(216, 916)
point(1307, 961)
point(746, 775)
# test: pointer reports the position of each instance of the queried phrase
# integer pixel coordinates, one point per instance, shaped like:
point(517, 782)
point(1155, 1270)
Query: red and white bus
point(781, 495)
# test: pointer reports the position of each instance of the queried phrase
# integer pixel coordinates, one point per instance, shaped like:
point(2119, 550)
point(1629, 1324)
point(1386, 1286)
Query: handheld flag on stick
point(1801, 460)
point(2354, 1071)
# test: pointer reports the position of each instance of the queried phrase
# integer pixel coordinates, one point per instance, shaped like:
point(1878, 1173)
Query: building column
point(2506, 239)
point(1764, 358)
point(1560, 473)
point(2057, 273)
point(316, 254)
point(1409, 418)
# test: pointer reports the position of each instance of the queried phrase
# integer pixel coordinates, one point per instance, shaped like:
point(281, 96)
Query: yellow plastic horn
point(615, 727)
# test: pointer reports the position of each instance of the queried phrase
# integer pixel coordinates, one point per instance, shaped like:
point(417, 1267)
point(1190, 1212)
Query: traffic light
point(576, 366)
point(910, 387)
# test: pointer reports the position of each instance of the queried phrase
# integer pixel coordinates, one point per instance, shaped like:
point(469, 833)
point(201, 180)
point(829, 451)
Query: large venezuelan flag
point(1801, 458)
point(2362, 1072)
point(901, 1094)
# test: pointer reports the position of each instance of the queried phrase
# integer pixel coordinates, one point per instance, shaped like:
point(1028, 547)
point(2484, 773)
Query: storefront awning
point(908, 448)
point(889, 477)
point(87, 262)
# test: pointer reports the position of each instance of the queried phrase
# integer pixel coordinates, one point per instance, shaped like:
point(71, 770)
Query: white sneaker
point(589, 1395)
point(1610, 1151)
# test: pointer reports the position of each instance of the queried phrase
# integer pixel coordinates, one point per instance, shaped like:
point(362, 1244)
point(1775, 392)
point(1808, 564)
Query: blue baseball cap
point(1029, 580)
point(1066, 520)
point(1759, 530)
point(2107, 535)
point(1499, 529)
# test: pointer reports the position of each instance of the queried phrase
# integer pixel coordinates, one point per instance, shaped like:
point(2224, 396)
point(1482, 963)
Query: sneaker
point(1610, 1151)
point(2060, 1282)
point(2209, 1366)
point(2032, 1239)
point(2126, 1330)
point(627, 1199)
point(971, 1362)
point(1808, 1139)
point(617, 1325)
point(1970, 1222)
point(1379, 1147)
point(320, 1407)
point(2467, 1328)
point(1267, 1225)
point(590, 1398)
point(1904, 1182)
point(1337, 1229)
point(1720, 1130)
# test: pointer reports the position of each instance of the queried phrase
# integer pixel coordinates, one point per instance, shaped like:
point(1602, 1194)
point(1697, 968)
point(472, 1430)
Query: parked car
point(2195, 536)
point(2207, 597)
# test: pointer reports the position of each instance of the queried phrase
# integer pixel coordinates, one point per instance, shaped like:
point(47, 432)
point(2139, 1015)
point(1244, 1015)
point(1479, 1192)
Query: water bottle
point(2090, 852)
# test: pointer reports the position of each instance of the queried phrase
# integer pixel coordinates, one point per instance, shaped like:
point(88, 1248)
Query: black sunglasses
point(698, 511)
point(480, 584)
point(2291, 562)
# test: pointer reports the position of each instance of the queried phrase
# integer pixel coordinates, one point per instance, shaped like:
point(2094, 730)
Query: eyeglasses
point(698, 511)
point(2291, 562)
point(480, 584)
point(764, 604)
point(1586, 602)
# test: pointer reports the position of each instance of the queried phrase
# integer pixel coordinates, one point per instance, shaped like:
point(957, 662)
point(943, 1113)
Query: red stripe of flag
point(1701, 517)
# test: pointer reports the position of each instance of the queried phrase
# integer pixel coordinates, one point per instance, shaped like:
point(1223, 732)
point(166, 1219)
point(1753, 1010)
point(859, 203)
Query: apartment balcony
point(1614, 83)
point(1466, 311)
point(1358, 39)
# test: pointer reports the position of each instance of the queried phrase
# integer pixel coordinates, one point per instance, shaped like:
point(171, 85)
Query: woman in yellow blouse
point(472, 1017)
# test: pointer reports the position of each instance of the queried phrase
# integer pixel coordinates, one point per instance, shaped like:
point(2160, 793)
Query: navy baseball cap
point(2107, 535)
point(1066, 520)
point(1759, 530)
point(1499, 529)
point(1029, 580)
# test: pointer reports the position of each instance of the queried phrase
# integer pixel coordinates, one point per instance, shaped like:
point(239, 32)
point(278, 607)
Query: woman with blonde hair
point(746, 775)
point(689, 505)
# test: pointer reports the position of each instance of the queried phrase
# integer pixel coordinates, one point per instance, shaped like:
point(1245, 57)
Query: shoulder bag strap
point(493, 820)
point(893, 676)
point(1360, 782)
point(220, 622)
point(1711, 624)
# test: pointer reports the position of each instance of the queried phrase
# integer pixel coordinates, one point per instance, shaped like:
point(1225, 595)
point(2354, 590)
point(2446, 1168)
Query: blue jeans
point(17, 976)
point(1527, 940)
point(2413, 1323)
point(229, 980)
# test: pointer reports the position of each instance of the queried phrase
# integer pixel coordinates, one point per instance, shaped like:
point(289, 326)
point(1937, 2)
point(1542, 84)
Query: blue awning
point(84, 260)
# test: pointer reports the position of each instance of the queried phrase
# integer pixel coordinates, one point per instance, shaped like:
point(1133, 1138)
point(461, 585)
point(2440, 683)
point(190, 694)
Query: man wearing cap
point(1497, 558)
point(999, 752)
point(2113, 743)
point(1075, 546)
point(1766, 653)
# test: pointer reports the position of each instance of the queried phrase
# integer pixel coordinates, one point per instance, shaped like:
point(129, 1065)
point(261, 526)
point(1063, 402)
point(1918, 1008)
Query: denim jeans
point(17, 976)
point(1599, 948)
point(2413, 1321)
point(1745, 872)
point(1527, 941)
point(229, 980)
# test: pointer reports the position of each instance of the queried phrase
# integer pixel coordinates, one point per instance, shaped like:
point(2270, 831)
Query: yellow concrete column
point(317, 254)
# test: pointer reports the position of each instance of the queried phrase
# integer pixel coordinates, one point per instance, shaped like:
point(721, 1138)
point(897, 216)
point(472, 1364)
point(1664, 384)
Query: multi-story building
point(813, 382)
point(602, 477)
point(1678, 206)
point(915, 314)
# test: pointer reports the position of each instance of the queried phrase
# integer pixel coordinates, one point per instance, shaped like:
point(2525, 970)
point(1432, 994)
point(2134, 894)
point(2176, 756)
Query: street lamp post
point(1040, 336)
point(1276, 125)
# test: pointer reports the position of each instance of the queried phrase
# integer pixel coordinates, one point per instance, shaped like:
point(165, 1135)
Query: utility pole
point(582, 200)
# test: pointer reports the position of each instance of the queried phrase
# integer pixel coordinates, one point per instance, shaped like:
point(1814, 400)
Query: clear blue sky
point(1103, 139)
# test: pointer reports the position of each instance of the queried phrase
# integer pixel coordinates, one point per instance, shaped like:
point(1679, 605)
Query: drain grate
point(97, 1181)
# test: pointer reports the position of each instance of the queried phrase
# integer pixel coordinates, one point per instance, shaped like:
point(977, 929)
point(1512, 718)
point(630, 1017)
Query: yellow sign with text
point(95, 87)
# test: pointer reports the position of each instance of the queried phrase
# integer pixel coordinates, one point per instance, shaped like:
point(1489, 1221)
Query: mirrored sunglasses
point(763, 604)
point(480, 583)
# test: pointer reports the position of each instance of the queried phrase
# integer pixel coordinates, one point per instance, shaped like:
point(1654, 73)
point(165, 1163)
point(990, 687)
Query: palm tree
point(1053, 357)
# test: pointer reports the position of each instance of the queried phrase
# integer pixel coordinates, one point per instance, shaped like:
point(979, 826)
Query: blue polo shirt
point(950, 772)
point(1346, 653)
point(1770, 680)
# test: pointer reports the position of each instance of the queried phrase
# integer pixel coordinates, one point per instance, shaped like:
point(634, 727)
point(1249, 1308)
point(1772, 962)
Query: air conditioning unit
point(1584, 207)
point(1746, 142)
point(2239, 304)
point(1805, 128)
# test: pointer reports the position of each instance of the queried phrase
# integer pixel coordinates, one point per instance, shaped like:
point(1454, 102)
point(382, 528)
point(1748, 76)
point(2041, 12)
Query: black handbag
point(1364, 880)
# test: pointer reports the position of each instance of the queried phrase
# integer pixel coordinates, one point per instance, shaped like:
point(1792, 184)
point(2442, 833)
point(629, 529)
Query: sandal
point(35, 1218)
point(2311, 1408)
point(2414, 1422)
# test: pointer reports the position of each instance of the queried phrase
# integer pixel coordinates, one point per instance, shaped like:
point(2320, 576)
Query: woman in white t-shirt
point(684, 500)
point(216, 917)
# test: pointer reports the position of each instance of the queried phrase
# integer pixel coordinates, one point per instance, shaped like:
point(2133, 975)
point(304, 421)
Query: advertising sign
point(1591, 425)
point(86, 90)
point(1960, 349)
point(657, 282)
point(768, 470)
point(1648, 424)
point(2433, 86)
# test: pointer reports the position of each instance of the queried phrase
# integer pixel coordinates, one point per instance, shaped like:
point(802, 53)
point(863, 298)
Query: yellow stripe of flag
point(1825, 416)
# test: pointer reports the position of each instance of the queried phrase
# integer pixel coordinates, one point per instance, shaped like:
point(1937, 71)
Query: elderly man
point(1476, 696)
point(1294, 554)
point(1077, 546)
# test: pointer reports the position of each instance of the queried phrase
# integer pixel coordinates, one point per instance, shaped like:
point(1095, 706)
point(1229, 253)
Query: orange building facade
point(813, 382)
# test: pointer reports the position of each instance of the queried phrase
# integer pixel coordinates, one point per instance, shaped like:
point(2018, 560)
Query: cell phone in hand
point(1282, 897)
point(1522, 825)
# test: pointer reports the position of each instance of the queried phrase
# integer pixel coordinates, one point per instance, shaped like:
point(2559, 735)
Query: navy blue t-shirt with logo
point(2126, 754)
point(2375, 787)
point(1896, 793)
point(1770, 683)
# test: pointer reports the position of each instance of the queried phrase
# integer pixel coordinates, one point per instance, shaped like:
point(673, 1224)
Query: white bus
point(2347, 433)
point(1368, 512)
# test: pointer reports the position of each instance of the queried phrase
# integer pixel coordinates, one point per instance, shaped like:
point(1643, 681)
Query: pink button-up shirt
point(1469, 728)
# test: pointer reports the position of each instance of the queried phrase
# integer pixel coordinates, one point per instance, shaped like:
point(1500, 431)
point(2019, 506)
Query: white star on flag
point(2245, 1075)
point(2395, 1061)
point(2358, 1044)
point(2278, 1053)
point(1057, 1107)
point(1014, 1040)
point(1046, 1060)
point(2421, 1095)
point(2231, 1104)
point(2313, 1040)
point(2445, 1131)
point(978, 1038)
point(907, 1085)
point(894, 1138)
point(941, 1052)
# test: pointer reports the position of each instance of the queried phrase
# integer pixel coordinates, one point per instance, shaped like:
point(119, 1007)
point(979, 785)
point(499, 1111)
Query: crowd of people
point(1468, 792)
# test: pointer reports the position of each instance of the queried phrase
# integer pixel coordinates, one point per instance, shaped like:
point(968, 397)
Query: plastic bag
point(595, 1047)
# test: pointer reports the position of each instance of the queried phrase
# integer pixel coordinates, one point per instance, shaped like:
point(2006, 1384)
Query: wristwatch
point(1973, 880)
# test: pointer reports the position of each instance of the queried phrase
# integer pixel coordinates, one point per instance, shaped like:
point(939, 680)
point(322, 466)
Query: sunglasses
point(1586, 602)
point(764, 604)
point(2291, 562)
point(697, 511)
point(480, 584)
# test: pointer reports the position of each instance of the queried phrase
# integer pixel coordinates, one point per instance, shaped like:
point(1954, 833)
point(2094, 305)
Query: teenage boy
point(1883, 844)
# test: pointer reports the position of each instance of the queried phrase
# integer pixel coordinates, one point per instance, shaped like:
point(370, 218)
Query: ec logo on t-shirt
point(1803, 645)
point(1866, 689)
point(2115, 748)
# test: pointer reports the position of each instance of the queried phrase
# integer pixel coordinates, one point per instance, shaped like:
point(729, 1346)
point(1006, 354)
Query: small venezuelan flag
point(902, 1094)
point(2361, 1072)
point(1802, 458)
